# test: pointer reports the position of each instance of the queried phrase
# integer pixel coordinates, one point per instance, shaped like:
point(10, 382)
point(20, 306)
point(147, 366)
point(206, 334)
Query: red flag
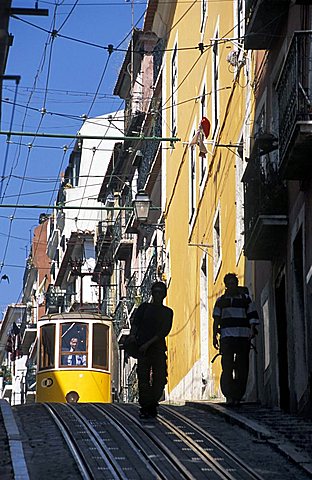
point(205, 124)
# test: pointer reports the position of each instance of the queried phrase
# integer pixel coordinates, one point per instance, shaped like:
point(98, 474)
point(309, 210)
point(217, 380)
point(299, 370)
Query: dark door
point(281, 318)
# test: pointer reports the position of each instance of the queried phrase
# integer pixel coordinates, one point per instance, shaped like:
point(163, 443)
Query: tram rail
point(220, 451)
point(211, 459)
point(93, 459)
point(109, 441)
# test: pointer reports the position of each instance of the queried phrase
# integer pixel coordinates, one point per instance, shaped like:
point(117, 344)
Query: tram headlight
point(72, 397)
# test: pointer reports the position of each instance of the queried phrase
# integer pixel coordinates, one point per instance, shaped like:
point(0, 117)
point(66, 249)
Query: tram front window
point(74, 344)
point(47, 342)
point(100, 346)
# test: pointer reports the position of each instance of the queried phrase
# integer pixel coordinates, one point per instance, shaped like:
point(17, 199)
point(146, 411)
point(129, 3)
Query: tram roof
point(72, 316)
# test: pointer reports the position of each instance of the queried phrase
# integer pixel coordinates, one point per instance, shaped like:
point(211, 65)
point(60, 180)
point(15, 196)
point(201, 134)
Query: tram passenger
point(74, 359)
point(152, 323)
point(235, 319)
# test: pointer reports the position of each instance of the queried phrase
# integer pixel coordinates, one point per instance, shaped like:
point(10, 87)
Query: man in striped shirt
point(235, 320)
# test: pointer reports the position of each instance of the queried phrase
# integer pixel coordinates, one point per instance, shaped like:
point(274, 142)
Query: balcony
point(29, 336)
point(133, 292)
point(158, 55)
point(265, 211)
point(123, 242)
point(134, 115)
point(104, 239)
point(108, 306)
point(294, 89)
point(53, 243)
point(264, 19)
point(121, 322)
point(149, 278)
point(56, 300)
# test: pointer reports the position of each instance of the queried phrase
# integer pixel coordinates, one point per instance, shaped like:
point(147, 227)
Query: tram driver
point(73, 359)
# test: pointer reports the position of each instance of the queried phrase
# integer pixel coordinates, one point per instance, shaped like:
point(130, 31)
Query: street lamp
point(141, 205)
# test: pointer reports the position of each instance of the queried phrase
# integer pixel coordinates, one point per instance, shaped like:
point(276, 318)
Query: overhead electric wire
point(110, 47)
point(8, 144)
point(28, 154)
point(68, 15)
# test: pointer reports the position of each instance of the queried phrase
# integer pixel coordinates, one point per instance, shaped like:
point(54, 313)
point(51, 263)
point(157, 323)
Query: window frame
point(239, 203)
point(107, 341)
point(42, 364)
point(174, 90)
point(215, 95)
point(203, 162)
point(217, 243)
point(192, 182)
point(64, 353)
point(204, 15)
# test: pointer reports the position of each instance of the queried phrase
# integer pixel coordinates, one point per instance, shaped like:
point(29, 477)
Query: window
point(239, 201)
point(266, 329)
point(174, 90)
point(217, 253)
point(100, 350)
point(192, 183)
point(168, 264)
point(204, 7)
point(202, 160)
point(260, 122)
point(215, 84)
point(47, 343)
point(239, 21)
point(74, 344)
point(204, 331)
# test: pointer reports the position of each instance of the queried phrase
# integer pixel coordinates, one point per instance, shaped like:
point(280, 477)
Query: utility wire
point(69, 14)
point(8, 143)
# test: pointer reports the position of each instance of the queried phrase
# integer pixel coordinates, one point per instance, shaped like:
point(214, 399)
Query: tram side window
point(100, 346)
point(74, 344)
point(47, 357)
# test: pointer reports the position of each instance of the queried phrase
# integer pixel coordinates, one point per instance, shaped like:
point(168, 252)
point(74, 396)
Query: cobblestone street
point(275, 444)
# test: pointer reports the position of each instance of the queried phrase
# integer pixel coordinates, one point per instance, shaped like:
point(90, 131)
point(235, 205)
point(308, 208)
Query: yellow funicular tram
point(74, 358)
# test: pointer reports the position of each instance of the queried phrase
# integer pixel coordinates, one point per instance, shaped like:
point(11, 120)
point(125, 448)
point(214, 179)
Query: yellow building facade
point(206, 74)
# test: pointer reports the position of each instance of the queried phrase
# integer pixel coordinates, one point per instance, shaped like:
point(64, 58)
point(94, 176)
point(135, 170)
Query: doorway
point(282, 342)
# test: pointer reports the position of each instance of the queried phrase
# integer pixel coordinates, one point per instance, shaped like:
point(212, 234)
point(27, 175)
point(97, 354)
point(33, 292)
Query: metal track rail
point(151, 465)
point(201, 463)
point(202, 436)
point(93, 459)
point(151, 449)
point(108, 441)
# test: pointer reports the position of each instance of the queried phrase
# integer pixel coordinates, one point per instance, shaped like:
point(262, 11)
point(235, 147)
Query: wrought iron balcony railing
point(133, 390)
point(149, 151)
point(158, 54)
point(265, 214)
point(109, 301)
point(134, 113)
point(149, 278)
point(294, 92)
point(121, 318)
point(122, 241)
point(56, 300)
point(133, 292)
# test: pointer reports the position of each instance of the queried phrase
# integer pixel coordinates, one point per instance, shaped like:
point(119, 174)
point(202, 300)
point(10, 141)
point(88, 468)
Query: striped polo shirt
point(235, 314)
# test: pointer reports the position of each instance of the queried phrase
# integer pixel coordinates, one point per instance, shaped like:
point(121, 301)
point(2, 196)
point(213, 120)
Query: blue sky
point(61, 76)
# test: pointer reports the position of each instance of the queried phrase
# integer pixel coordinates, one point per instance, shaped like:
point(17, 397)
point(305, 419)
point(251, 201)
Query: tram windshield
point(100, 346)
point(74, 344)
point(46, 355)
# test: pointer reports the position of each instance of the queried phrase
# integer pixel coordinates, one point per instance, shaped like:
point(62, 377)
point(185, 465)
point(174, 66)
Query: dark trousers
point(152, 378)
point(235, 366)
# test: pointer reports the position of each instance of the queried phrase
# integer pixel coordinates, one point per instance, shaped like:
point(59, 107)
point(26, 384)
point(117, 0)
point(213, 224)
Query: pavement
point(15, 442)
